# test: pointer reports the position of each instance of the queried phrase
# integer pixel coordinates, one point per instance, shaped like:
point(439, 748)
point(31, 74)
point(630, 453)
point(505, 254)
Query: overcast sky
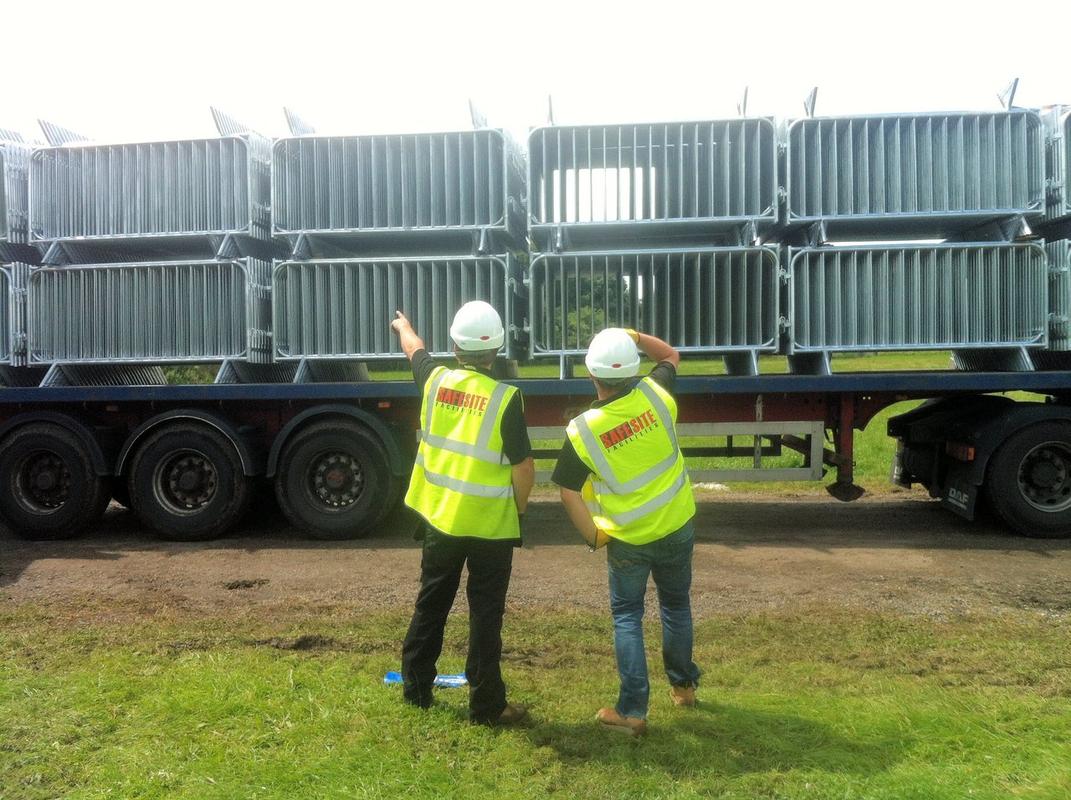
point(129, 71)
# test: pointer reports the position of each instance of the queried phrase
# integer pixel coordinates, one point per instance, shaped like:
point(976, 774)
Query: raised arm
point(406, 335)
point(655, 349)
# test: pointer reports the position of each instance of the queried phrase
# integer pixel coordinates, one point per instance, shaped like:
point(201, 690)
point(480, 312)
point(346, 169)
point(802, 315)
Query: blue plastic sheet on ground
point(442, 681)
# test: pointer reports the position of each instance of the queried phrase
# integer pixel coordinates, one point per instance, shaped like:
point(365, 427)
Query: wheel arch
point(398, 462)
point(992, 435)
point(983, 422)
point(102, 463)
point(246, 453)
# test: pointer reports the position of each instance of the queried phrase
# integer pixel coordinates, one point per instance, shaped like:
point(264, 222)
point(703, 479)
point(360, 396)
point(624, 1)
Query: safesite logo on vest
point(627, 431)
point(465, 402)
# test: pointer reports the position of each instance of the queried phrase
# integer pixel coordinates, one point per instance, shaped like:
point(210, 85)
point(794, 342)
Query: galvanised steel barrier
point(457, 192)
point(13, 280)
point(608, 185)
point(7, 307)
point(151, 313)
point(1058, 163)
point(910, 297)
point(706, 300)
point(927, 175)
point(14, 192)
point(181, 198)
point(342, 308)
point(1059, 253)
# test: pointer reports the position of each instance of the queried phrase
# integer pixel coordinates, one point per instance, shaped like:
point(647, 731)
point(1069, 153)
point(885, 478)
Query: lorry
point(732, 239)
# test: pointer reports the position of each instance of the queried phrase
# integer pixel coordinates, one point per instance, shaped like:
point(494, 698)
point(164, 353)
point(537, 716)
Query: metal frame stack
point(16, 254)
point(974, 180)
point(1057, 164)
point(154, 253)
point(14, 195)
point(415, 222)
point(1056, 229)
point(727, 238)
point(654, 226)
point(712, 181)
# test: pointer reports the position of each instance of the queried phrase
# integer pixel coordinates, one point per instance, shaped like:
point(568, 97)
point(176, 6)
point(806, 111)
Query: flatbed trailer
point(185, 457)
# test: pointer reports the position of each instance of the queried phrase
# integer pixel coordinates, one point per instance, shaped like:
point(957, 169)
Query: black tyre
point(48, 487)
point(1029, 481)
point(333, 480)
point(186, 483)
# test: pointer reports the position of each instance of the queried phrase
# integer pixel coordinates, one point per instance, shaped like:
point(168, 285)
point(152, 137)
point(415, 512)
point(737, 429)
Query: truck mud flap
point(959, 494)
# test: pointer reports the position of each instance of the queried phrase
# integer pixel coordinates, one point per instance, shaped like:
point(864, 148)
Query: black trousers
point(490, 564)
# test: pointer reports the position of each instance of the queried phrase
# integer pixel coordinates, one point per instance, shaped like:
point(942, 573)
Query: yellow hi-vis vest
point(462, 483)
point(640, 491)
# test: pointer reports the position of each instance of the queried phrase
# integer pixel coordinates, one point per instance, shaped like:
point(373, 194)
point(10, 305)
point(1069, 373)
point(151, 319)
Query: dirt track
point(895, 553)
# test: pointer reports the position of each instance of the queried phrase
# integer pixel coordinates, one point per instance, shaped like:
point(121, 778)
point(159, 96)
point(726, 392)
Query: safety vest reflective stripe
point(664, 499)
point(490, 416)
point(610, 483)
point(487, 427)
point(460, 486)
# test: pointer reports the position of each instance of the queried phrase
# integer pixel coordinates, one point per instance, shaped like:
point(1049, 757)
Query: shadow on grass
point(721, 739)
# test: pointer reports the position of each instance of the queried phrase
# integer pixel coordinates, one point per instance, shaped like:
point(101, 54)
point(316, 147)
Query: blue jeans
point(669, 560)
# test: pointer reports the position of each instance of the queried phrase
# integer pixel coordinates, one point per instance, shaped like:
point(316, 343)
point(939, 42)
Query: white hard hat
point(477, 326)
point(612, 354)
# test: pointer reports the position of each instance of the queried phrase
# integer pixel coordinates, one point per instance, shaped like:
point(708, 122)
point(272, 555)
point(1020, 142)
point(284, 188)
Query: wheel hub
point(187, 481)
point(1045, 476)
point(337, 479)
point(45, 481)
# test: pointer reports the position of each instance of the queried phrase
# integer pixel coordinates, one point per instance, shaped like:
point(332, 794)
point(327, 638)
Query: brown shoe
point(511, 714)
point(683, 696)
point(630, 726)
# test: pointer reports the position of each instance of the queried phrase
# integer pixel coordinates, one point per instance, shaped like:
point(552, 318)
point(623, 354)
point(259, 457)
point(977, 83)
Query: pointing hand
point(400, 323)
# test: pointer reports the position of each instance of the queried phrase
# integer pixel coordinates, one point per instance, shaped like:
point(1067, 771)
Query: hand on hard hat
point(399, 323)
point(613, 354)
point(477, 326)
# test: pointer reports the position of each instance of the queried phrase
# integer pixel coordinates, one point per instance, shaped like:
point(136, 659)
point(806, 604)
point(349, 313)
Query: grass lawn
point(821, 705)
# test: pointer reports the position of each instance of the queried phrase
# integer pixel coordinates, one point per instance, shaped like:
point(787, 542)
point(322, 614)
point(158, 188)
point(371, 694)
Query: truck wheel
point(187, 484)
point(1029, 481)
point(333, 480)
point(48, 487)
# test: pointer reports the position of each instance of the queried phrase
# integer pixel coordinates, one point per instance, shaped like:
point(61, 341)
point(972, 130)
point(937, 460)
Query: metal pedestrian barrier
point(151, 312)
point(934, 297)
point(1059, 253)
point(177, 199)
point(14, 192)
point(342, 308)
point(1058, 163)
point(712, 300)
point(13, 280)
point(7, 303)
point(456, 192)
point(607, 185)
point(922, 175)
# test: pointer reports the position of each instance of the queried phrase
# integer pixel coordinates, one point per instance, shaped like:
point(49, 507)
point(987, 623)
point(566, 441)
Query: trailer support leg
point(844, 487)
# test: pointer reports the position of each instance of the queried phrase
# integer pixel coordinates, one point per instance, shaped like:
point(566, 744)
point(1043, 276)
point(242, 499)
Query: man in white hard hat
point(624, 485)
point(470, 484)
